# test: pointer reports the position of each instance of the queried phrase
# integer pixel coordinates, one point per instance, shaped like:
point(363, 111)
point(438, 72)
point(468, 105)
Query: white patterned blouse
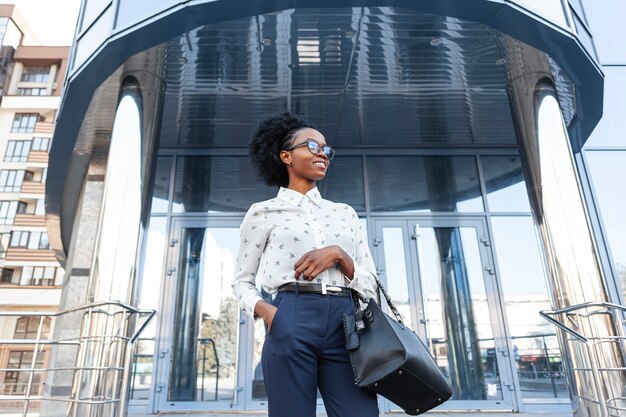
point(276, 233)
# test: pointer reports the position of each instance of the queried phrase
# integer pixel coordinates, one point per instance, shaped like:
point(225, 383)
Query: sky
point(53, 21)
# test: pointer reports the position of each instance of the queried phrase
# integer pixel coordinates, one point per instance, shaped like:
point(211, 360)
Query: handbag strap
point(380, 288)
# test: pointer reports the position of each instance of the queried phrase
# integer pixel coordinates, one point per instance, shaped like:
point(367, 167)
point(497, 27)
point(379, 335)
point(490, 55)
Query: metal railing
point(606, 392)
point(38, 344)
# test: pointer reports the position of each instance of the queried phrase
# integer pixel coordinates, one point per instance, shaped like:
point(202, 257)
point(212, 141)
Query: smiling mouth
point(320, 163)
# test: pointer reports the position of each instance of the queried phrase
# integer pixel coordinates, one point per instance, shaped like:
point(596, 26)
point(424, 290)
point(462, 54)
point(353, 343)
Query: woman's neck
point(302, 186)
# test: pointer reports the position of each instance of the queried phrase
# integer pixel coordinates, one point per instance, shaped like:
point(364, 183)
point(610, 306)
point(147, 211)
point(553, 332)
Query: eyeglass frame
point(319, 147)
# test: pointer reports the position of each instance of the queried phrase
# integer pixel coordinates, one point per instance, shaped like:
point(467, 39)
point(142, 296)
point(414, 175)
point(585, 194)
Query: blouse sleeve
point(364, 279)
point(252, 240)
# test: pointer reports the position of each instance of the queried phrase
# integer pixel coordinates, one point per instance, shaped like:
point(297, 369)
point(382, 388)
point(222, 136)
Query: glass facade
point(199, 200)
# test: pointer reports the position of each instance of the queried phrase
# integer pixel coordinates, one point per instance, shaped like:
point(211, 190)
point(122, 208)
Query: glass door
point(200, 352)
point(441, 275)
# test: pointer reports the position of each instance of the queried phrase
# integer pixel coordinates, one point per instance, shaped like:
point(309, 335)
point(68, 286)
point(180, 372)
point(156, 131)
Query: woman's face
point(305, 164)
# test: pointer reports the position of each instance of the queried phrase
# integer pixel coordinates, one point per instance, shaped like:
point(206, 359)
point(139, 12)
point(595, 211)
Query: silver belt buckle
point(326, 288)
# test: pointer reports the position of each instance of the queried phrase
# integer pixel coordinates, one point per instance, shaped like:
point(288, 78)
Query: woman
point(312, 253)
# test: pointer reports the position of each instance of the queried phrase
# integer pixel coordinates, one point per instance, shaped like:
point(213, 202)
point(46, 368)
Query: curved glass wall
point(575, 275)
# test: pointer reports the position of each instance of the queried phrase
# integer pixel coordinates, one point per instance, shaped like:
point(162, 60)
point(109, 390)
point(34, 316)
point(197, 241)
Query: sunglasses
point(315, 148)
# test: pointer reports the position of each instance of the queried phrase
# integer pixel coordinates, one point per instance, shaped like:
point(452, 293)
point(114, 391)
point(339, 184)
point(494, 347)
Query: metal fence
point(585, 326)
point(127, 323)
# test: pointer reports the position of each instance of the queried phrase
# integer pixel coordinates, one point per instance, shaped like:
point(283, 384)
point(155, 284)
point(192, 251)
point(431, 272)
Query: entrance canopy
point(367, 77)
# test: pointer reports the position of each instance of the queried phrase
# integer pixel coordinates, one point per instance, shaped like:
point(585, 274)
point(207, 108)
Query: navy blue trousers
point(305, 350)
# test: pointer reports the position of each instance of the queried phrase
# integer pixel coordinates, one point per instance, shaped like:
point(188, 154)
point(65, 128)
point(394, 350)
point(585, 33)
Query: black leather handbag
point(390, 359)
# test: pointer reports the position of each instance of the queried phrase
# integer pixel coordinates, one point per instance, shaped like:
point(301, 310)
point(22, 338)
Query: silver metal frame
point(580, 317)
point(88, 311)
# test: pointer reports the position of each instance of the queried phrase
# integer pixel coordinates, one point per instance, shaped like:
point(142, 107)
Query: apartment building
point(30, 275)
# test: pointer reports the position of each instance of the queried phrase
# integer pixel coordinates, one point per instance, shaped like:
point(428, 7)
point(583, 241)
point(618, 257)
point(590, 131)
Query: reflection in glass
point(522, 277)
point(149, 291)
point(575, 272)
point(504, 181)
point(217, 184)
point(206, 323)
point(395, 271)
point(344, 182)
point(119, 228)
point(429, 183)
point(606, 167)
point(457, 311)
point(161, 189)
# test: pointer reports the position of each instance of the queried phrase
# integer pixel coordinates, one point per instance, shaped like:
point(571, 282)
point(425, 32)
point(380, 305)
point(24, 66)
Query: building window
point(39, 275)
point(29, 240)
point(16, 381)
point(4, 244)
point(41, 144)
point(8, 210)
point(11, 180)
point(31, 91)
point(40, 207)
point(17, 151)
point(6, 276)
point(35, 74)
point(25, 122)
point(27, 327)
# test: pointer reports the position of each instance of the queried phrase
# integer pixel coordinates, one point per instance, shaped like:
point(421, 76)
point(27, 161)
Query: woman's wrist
point(262, 309)
point(345, 264)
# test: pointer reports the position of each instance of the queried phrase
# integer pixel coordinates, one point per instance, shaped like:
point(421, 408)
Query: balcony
point(31, 103)
point(44, 127)
point(36, 295)
point(18, 255)
point(29, 220)
point(31, 187)
point(38, 157)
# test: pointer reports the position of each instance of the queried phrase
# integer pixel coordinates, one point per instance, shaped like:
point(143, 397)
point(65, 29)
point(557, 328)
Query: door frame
point(502, 343)
point(166, 324)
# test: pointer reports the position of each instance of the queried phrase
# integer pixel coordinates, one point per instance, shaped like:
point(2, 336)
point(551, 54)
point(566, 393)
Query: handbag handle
point(379, 288)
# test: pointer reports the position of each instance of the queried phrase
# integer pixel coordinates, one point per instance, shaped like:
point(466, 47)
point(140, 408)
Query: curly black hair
point(274, 133)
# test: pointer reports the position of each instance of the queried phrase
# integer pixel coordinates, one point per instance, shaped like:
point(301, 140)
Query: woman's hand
point(314, 262)
point(266, 311)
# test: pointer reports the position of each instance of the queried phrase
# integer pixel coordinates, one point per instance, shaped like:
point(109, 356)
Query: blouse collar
point(294, 197)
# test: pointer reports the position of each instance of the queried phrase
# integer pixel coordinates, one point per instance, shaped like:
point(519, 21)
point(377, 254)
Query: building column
point(58, 385)
point(559, 212)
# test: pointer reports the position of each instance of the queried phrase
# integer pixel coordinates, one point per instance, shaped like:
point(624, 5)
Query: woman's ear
point(285, 157)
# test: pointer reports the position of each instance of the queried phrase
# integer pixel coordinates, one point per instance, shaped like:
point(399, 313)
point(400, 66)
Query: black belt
point(322, 288)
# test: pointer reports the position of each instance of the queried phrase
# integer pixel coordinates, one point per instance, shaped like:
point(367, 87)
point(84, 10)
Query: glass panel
point(457, 311)
point(551, 10)
point(610, 129)
point(93, 38)
point(132, 11)
point(92, 9)
point(605, 167)
point(344, 182)
point(395, 271)
point(605, 20)
point(149, 292)
point(429, 183)
point(504, 181)
point(205, 340)
point(217, 184)
point(161, 190)
point(523, 280)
